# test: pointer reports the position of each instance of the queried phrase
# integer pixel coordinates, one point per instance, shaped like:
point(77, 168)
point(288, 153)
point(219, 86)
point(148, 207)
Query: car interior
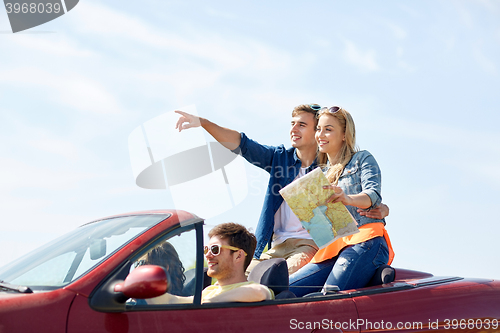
point(273, 273)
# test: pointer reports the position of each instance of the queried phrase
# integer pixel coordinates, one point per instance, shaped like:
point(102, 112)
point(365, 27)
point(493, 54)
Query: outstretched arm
point(227, 137)
point(247, 293)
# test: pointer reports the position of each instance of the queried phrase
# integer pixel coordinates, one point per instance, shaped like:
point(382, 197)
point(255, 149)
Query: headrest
point(383, 274)
point(272, 273)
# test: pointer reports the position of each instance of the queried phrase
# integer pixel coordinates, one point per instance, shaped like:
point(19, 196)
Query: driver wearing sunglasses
point(228, 254)
point(216, 248)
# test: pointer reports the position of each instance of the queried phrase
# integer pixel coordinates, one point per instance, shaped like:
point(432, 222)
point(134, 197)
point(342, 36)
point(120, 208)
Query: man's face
point(221, 266)
point(303, 130)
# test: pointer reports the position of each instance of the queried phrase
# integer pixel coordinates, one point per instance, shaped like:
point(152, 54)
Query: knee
point(299, 260)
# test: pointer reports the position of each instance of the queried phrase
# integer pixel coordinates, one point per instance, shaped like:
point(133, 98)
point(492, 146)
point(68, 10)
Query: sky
point(420, 78)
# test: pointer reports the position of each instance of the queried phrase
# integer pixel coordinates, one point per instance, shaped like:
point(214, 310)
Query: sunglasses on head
point(333, 109)
point(215, 249)
point(315, 107)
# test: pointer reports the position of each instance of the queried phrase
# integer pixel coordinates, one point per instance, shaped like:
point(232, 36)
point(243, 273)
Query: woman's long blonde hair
point(348, 147)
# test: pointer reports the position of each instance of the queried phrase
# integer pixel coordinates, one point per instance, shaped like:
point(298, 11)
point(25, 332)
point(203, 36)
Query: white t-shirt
point(286, 223)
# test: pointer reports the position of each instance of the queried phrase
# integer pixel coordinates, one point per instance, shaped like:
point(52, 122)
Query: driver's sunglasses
point(215, 249)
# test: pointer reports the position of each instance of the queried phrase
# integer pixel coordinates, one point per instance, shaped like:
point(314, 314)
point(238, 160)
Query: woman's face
point(330, 135)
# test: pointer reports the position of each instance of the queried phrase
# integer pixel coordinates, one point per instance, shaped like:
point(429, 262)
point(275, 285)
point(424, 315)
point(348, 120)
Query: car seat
point(384, 274)
point(189, 283)
point(273, 273)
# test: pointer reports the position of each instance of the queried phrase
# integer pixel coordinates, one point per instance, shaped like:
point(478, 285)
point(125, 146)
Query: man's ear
point(240, 255)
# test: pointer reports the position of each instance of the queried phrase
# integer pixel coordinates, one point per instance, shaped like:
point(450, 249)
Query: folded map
point(325, 222)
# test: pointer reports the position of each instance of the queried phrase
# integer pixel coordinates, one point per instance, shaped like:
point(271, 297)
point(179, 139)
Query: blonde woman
point(351, 261)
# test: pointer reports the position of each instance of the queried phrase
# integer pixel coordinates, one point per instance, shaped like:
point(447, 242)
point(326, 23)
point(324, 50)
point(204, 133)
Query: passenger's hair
point(305, 108)
point(348, 147)
point(165, 255)
point(237, 236)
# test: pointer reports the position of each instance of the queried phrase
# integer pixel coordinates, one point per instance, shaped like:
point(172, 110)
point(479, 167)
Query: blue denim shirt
point(362, 175)
point(283, 166)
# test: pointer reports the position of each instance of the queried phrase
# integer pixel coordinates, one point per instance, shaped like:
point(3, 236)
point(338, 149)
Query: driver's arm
point(170, 299)
point(247, 293)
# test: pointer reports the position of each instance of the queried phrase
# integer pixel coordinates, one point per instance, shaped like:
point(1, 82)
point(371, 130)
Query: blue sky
point(421, 79)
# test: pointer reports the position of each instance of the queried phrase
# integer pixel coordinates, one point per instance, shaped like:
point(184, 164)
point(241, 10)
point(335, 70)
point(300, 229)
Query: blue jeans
point(352, 268)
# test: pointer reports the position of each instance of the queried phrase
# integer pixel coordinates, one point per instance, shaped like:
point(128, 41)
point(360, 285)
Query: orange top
point(366, 232)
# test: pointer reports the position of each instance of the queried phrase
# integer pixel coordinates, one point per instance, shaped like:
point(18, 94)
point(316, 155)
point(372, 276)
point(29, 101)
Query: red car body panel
point(37, 312)
point(433, 308)
point(261, 318)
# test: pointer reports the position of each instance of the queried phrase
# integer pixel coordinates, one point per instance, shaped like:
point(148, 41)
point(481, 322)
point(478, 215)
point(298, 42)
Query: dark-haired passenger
point(164, 255)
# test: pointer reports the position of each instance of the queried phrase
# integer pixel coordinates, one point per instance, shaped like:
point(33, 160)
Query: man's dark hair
point(306, 108)
point(237, 236)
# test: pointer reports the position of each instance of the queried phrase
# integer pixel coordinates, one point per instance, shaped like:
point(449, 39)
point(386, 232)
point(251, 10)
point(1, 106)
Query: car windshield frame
point(71, 256)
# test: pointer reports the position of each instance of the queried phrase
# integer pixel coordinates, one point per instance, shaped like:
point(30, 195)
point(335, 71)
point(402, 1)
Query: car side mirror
point(146, 281)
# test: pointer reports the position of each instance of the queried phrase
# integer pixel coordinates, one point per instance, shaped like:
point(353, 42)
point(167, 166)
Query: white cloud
point(488, 171)
point(464, 13)
point(490, 5)
point(55, 146)
point(487, 64)
point(225, 52)
point(70, 89)
point(323, 43)
point(85, 94)
point(410, 10)
point(440, 135)
point(94, 17)
point(17, 174)
point(221, 14)
point(470, 151)
point(57, 45)
point(363, 60)
point(14, 204)
point(402, 63)
point(398, 32)
point(449, 42)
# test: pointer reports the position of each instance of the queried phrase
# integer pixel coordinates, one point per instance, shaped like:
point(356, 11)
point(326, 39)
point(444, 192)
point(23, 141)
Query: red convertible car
point(94, 280)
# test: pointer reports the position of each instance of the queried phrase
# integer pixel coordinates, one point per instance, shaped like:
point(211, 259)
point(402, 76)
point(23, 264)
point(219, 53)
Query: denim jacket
point(283, 166)
point(362, 175)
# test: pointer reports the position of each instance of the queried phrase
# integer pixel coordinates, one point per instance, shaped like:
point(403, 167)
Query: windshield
point(70, 256)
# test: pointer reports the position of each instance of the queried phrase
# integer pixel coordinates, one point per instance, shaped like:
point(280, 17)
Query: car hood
point(12, 301)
